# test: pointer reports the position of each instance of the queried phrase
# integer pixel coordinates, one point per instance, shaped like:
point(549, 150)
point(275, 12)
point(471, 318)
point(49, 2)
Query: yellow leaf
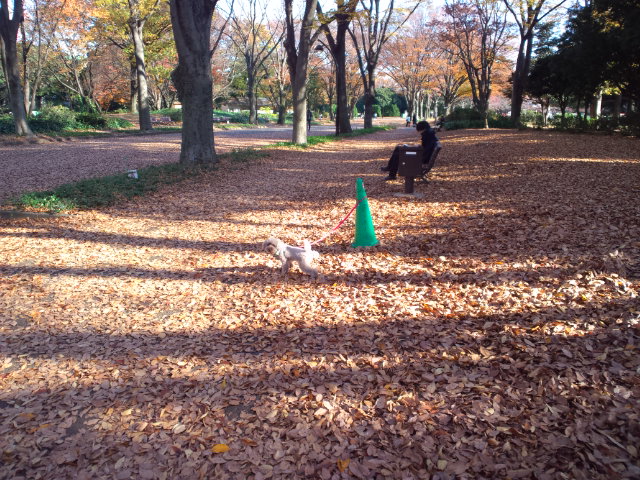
point(343, 464)
point(220, 448)
point(224, 383)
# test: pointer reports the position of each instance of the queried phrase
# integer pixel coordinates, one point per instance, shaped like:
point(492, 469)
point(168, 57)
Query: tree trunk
point(517, 90)
point(251, 92)
point(26, 74)
point(410, 105)
point(9, 33)
point(332, 117)
point(282, 113)
point(191, 23)
point(343, 124)
point(597, 105)
point(369, 98)
point(298, 62)
point(300, 109)
point(144, 113)
point(617, 106)
point(133, 88)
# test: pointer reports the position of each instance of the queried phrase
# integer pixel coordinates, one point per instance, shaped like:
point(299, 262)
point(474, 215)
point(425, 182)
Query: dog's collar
point(277, 253)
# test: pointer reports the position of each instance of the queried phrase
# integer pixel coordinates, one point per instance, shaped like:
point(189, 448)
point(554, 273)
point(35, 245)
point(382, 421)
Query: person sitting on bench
point(429, 141)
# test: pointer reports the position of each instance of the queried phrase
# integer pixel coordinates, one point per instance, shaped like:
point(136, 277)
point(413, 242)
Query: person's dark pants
point(394, 161)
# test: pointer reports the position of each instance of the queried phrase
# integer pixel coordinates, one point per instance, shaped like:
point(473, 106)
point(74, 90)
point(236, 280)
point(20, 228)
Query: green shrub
point(6, 124)
point(462, 118)
point(531, 118)
point(114, 123)
point(243, 117)
point(53, 119)
point(91, 120)
point(571, 122)
point(464, 114)
point(499, 120)
point(630, 124)
point(461, 124)
point(391, 110)
point(175, 114)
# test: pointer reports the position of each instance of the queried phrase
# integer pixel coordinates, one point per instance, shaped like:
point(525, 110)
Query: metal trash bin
point(410, 165)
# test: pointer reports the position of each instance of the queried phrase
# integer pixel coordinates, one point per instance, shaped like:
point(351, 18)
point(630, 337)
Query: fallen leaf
point(220, 448)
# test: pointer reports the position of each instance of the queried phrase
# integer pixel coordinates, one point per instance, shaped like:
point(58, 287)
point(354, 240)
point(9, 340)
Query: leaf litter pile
point(493, 333)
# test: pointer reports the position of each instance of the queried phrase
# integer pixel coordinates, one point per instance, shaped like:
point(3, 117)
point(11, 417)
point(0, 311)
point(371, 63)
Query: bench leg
point(408, 184)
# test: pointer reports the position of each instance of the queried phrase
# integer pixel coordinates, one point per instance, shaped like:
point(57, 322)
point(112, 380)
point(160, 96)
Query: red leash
point(341, 222)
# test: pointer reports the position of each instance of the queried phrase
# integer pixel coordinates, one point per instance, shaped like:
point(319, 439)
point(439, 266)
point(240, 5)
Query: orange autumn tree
point(110, 73)
point(124, 23)
point(255, 39)
point(478, 31)
point(42, 24)
point(451, 78)
point(276, 86)
point(410, 60)
point(71, 65)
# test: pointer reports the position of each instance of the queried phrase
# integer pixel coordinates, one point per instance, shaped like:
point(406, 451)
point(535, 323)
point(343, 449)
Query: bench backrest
point(432, 161)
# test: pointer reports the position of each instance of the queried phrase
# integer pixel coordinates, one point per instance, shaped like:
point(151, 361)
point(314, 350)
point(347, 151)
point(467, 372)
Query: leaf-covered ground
point(492, 334)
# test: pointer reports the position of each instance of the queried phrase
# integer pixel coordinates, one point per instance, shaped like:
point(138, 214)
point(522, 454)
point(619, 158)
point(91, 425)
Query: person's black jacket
point(429, 141)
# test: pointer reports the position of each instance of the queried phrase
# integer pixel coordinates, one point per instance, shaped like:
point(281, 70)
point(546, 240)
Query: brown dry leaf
point(492, 333)
point(343, 464)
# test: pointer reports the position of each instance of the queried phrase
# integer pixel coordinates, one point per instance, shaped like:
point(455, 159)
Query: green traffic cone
point(365, 234)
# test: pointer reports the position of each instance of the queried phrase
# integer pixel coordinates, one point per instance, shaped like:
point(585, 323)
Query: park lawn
point(493, 333)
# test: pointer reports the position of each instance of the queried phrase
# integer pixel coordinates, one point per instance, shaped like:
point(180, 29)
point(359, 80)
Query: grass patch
point(105, 191)
point(318, 139)
point(244, 155)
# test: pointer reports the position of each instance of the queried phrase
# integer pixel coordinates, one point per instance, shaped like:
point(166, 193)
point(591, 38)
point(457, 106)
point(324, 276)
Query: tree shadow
point(394, 398)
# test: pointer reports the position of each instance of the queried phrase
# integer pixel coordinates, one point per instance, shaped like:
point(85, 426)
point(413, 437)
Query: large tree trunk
point(144, 113)
point(520, 78)
point(191, 22)
point(337, 47)
point(16, 97)
point(300, 109)
point(517, 89)
point(343, 124)
point(9, 34)
point(298, 62)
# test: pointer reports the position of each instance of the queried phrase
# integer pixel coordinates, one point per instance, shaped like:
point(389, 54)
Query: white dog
point(289, 254)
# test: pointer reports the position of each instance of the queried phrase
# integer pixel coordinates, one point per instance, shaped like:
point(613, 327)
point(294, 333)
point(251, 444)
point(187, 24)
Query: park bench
point(160, 119)
point(220, 120)
point(411, 167)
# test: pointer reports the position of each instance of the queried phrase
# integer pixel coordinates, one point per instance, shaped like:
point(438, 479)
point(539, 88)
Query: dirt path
point(46, 165)
point(492, 334)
